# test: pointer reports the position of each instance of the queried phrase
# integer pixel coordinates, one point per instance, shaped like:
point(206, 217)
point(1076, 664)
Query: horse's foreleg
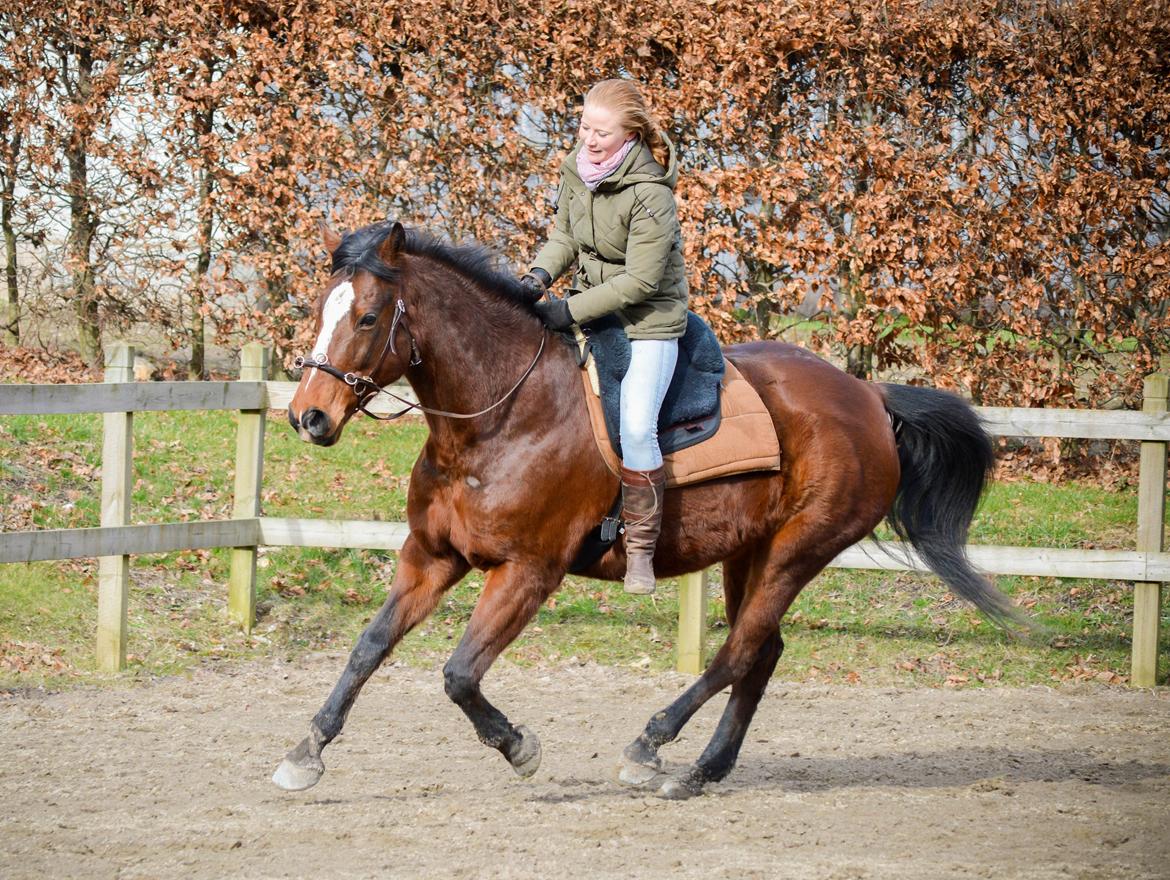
point(511, 597)
point(419, 582)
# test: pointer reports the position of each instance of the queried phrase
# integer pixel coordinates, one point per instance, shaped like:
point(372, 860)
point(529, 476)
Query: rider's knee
point(639, 432)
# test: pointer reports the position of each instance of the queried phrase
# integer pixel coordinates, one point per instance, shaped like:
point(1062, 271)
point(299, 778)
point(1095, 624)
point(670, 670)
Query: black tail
point(946, 460)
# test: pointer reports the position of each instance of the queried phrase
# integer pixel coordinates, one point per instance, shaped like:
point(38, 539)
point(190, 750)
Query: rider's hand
point(536, 282)
point(555, 314)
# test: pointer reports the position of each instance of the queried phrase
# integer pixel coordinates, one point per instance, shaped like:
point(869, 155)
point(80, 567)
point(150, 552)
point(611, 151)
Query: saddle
point(712, 422)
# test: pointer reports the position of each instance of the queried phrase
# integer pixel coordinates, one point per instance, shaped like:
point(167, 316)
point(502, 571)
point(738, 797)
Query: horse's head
point(359, 332)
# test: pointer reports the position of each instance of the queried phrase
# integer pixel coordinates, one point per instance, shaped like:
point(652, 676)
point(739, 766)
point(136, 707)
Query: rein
point(366, 389)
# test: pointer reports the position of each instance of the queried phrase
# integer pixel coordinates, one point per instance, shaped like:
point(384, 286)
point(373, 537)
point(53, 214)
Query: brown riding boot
point(642, 496)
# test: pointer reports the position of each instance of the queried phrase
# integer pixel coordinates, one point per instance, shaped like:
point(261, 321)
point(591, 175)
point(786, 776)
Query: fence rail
point(103, 397)
point(132, 540)
point(1147, 566)
point(112, 397)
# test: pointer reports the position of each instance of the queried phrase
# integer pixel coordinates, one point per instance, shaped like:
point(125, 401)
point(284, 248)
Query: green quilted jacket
point(625, 238)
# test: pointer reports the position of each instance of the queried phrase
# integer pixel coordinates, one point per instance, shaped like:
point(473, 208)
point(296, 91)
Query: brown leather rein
point(366, 389)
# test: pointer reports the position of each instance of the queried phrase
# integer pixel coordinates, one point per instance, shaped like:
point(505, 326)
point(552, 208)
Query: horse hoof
point(297, 777)
point(637, 774)
point(679, 789)
point(525, 760)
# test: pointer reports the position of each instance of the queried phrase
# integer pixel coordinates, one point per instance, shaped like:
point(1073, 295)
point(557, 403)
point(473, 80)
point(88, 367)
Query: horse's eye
point(368, 320)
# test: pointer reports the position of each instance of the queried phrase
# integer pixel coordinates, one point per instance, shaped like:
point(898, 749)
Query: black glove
point(536, 282)
point(555, 314)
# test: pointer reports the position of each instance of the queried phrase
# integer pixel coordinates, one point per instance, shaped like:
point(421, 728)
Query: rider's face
point(601, 135)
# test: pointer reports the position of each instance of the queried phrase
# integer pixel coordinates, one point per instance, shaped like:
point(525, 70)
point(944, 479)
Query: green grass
point(847, 626)
point(1069, 515)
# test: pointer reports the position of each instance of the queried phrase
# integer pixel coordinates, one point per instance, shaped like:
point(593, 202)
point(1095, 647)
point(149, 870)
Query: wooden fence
point(1147, 566)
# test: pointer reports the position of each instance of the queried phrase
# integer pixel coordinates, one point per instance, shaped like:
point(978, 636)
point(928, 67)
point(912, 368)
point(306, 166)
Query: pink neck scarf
point(593, 173)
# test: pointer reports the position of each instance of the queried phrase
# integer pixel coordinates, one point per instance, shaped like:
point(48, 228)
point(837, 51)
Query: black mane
point(359, 251)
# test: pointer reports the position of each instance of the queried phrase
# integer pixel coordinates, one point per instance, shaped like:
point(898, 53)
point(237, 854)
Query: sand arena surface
point(172, 780)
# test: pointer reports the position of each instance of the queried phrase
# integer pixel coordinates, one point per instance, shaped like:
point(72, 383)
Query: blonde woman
point(616, 217)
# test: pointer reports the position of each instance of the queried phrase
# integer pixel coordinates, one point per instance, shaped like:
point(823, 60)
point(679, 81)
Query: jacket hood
point(639, 166)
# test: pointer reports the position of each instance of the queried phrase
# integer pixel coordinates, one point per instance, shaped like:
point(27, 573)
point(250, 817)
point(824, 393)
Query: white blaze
point(336, 308)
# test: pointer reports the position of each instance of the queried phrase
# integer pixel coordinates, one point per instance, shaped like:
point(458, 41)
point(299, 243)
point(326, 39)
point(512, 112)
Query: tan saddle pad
point(746, 439)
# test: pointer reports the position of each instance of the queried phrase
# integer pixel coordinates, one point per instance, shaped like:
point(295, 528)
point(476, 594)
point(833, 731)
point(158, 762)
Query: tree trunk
point(196, 325)
point(859, 361)
point(10, 308)
point(197, 368)
point(859, 356)
point(277, 292)
point(762, 279)
point(82, 226)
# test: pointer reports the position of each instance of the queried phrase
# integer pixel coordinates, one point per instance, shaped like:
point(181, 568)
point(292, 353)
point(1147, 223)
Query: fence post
point(249, 476)
point(1147, 597)
point(692, 621)
point(117, 485)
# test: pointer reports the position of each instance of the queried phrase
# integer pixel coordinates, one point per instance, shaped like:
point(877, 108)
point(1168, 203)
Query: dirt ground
point(172, 780)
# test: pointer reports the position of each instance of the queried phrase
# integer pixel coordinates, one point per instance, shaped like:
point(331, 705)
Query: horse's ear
point(394, 244)
point(331, 239)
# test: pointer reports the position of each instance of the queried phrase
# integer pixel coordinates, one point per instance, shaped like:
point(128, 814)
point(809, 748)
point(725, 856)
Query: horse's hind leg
point(512, 595)
point(640, 762)
point(771, 578)
point(419, 582)
point(719, 757)
point(778, 573)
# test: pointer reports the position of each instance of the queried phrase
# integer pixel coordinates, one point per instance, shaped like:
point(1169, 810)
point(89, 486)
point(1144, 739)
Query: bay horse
point(510, 481)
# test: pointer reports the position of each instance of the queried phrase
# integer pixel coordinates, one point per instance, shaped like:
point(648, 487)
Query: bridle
point(366, 389)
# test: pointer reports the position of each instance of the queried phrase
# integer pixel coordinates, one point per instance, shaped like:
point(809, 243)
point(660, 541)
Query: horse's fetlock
point(658, 732)
point(323, 729)
point(317, 738)
point(715, 770)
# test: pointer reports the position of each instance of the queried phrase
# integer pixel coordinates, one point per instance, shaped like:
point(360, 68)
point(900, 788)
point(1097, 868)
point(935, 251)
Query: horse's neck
point(473, 351)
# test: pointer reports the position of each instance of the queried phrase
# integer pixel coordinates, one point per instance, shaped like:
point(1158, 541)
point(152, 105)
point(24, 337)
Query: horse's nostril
point(315, 422)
